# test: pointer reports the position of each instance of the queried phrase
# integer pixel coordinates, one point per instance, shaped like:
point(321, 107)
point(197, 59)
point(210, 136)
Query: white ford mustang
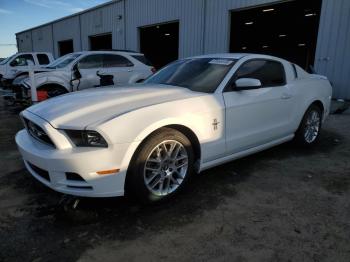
point(147, 141)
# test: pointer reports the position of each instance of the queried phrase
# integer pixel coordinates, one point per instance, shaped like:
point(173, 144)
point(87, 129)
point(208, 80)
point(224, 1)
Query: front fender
point(195, 114)
point(139, 76)
point(51, 80)
point(143, 135)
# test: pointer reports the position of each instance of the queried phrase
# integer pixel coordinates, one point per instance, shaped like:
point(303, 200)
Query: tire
point(161, 167)
point(309, 130)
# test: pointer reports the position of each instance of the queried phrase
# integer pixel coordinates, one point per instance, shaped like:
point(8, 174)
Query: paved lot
point(284, 204)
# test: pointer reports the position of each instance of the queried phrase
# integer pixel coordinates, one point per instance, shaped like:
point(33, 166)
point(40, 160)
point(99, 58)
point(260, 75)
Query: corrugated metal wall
point(104, 20)
point(333, 48)
point(65, 30)
point(190, 14)
point(42, 39)
point(204, 28)
point(24, 41)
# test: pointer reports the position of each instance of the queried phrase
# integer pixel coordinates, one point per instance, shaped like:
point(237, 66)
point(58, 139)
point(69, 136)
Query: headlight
point(86, 138)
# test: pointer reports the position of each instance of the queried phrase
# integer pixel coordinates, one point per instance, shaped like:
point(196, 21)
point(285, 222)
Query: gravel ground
point(284, 204)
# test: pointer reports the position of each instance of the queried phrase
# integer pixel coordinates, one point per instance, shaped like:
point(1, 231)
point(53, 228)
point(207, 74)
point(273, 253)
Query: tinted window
point(91, 61)
point(63, 61)
point(22, 60)
point(142, 59)
point(270, 73)
point(43, 59)
point(115, 61)
point(198, 74)
point(6, 60)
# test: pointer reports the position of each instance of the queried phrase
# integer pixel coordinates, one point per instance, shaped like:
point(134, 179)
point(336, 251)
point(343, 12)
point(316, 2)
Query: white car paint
point(228, 125)
point(64, 76)
point(9, 71)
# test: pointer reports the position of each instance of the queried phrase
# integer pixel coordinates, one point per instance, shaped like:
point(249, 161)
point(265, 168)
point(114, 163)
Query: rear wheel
point(161, 167)
point(310, 127)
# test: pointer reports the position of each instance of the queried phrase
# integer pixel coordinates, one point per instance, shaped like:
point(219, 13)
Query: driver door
point(21, 62)
point(88, 67)
point(256, 117)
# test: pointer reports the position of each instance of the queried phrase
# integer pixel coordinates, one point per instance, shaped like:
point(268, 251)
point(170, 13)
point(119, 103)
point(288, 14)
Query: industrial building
point(310, 33)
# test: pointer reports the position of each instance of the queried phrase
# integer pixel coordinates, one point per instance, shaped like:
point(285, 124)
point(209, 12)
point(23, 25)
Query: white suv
point(17, 64)
point(81, 70)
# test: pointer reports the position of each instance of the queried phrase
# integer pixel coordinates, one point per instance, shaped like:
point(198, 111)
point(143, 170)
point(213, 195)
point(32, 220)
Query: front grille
point(37, 132)
point(40, 172)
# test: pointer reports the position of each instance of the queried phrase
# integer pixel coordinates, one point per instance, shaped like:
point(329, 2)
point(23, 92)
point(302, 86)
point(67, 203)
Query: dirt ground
point(284, 204)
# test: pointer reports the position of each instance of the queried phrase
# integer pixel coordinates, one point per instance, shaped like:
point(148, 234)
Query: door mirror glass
point(247, 84)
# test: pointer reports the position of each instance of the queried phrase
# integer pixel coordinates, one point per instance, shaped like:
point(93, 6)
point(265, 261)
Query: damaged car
point(88, 69)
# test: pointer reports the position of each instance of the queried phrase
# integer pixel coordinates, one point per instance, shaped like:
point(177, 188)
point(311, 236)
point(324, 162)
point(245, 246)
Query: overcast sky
point(18, 15)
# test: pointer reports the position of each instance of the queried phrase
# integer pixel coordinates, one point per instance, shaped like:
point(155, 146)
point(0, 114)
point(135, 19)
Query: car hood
point(81, 109)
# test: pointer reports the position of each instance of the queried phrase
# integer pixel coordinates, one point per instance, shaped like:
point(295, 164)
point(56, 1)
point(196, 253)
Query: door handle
point(286, 96)
point(130, 70)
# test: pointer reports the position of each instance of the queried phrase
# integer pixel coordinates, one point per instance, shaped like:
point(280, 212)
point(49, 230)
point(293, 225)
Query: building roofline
point(70, 16)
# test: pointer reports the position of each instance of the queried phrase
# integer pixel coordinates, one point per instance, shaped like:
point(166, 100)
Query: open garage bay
point(288, 30)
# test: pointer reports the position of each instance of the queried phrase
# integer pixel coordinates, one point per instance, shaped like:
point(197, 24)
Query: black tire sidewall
point(135, 187)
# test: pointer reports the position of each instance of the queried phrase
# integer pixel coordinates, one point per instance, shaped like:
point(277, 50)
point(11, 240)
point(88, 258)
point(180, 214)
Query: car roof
point(108, 52)
point(33, 53)
point(222, 55)
point(238, 56)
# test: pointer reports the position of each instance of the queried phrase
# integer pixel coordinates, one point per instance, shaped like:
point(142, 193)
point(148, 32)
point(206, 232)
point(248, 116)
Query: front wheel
point(310, 127)
point(161, 167)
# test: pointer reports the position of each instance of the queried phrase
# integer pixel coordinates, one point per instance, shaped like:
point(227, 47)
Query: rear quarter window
point(142, 59)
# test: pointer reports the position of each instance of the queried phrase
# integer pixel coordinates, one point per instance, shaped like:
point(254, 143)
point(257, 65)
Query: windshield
point(197, 74)
point(6, 60)
point(63, 61)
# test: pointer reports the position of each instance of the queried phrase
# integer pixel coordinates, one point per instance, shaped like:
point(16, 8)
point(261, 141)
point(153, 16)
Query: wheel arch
point(319, 104)
point(188, 132)
point(50, 85)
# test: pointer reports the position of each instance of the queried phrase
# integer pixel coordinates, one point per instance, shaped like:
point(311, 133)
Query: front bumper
point(52, 167)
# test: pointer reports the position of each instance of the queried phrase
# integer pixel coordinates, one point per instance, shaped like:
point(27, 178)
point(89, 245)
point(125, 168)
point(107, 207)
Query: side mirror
point(76, 73)
point(247, 84)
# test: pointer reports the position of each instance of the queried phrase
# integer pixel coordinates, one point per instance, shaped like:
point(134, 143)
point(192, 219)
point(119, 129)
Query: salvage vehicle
point(81, 70)
point(148, 141)
point(17, 65)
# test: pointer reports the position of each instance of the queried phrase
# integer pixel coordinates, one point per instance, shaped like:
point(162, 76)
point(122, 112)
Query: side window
point(22, 60)
point(91, 61)
point(270, 73)
point(43, 59)
point(116, 61)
